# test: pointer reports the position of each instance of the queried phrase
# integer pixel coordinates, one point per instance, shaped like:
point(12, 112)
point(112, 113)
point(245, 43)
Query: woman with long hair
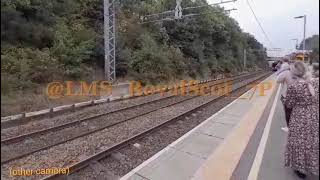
point(302, 150)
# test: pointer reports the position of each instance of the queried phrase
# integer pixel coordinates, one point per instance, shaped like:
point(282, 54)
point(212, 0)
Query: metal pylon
point(178, 10)
point(109, 41)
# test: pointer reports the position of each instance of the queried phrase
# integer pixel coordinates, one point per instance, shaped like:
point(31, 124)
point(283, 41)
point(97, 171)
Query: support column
point(109, 40)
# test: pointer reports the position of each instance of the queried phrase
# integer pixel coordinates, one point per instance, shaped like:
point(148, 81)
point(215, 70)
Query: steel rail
point(68, 124)
point(116, 100)
point(23, 120)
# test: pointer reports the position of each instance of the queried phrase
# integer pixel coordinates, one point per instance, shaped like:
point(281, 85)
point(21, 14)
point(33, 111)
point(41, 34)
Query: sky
point(277, 20)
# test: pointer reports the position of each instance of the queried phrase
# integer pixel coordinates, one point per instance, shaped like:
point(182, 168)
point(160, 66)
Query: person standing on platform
point(302, 149)
point(278, 66)
point(284, 66)
point(285, 77)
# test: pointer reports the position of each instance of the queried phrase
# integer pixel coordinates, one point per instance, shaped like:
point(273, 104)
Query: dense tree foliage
point(45, 40)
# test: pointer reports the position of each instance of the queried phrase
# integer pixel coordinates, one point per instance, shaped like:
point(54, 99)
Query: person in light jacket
point(284, 66)
point(286, 78)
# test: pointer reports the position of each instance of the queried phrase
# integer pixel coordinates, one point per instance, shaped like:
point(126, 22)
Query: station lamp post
point(304, 33)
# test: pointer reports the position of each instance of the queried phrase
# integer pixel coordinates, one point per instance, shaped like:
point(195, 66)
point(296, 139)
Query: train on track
point(298, 56)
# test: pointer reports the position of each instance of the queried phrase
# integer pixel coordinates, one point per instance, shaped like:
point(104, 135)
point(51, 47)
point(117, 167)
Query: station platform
point(243, 141)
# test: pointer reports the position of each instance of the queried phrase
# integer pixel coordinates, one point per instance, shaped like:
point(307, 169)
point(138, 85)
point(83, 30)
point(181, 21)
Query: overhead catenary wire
point(193, 7)
point(188, 15)
point(256, 18)
point(186, 8)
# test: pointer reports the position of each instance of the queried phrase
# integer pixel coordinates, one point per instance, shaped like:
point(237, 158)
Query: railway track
point(25, 144)
point(91, 108)
point(25, 127)
point(126, 140)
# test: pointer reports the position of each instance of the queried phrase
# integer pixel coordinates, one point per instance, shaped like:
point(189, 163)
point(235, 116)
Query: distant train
point(295, 56)
point(298, 56)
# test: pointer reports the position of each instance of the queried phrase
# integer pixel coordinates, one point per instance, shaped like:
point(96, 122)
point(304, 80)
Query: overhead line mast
point(109, 40)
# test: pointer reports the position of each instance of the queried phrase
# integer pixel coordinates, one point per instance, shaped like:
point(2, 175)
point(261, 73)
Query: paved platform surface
point(226, 132)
